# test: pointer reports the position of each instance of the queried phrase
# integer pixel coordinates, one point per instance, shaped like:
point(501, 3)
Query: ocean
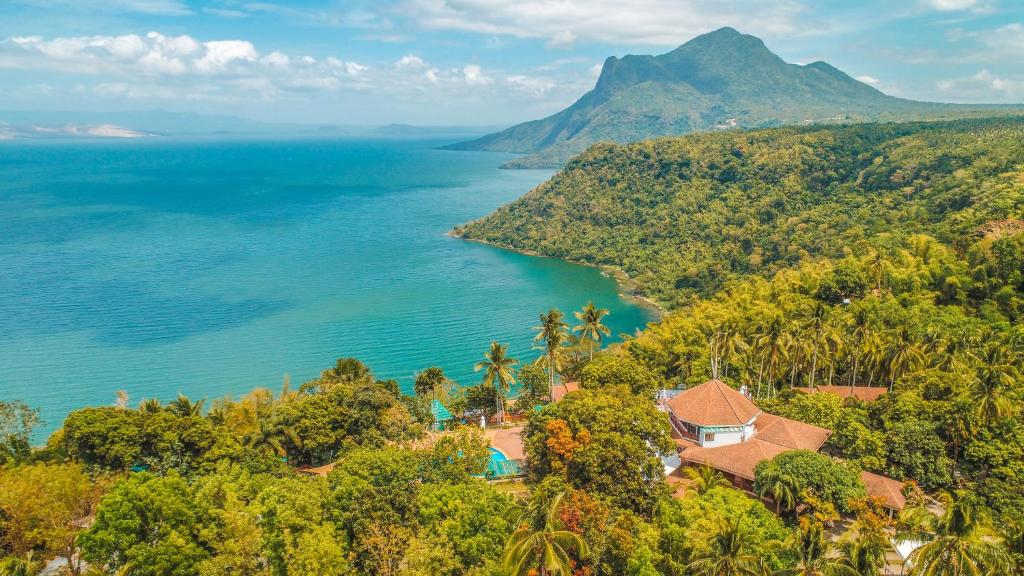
point(209, 267)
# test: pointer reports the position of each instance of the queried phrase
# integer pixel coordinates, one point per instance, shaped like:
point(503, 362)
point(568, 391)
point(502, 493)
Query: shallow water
point(210, 267)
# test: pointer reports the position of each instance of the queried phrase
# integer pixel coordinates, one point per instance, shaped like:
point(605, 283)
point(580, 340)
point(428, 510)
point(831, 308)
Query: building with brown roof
point(890, 491)
point(720, 427)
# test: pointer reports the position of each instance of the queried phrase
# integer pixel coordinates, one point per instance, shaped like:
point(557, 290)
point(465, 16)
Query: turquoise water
point(212, 267)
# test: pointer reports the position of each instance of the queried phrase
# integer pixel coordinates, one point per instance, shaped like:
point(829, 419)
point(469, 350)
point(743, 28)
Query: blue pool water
point(499, 465)
point(210, 267)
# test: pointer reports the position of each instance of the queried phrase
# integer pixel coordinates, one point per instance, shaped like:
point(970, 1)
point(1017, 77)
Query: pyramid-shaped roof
point(713, 403)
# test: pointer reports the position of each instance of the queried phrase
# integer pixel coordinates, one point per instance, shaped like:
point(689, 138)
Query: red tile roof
point(889, 490)
point(713, 403)
point(862, 393)
point(791, 434)
point(738, 459)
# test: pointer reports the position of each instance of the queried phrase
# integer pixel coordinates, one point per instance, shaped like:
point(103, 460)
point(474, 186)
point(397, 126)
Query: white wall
point(722, 438)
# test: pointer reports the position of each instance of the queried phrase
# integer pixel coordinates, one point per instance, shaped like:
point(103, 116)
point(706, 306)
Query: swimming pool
point(499, 465)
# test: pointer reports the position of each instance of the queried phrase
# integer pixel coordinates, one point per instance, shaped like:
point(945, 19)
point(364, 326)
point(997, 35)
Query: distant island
point(716, 81)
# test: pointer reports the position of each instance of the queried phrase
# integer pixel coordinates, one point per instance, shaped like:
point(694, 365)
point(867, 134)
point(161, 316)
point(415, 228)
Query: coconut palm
point(772, 342)
point(590, 326)
point(782, 488)
point(552, 335)
point(995, 375)
point(498, 370)
point(26, 565)
point(863, 551)
point(957, 542)
point(902, 356)
point(542, 544)
point(150, 406)
point(728, 553)
point(184, 407)
point(704, 478)
point(816, 555)
point(822, 336)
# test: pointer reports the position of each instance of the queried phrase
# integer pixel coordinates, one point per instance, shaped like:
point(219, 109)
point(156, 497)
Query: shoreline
point(622, 280)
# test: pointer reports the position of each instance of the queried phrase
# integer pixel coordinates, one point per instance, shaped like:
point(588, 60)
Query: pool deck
point(508, 441)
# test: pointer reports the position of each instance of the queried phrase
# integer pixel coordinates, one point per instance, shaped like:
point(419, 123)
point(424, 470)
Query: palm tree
point(958, 542)
point(551, 333)
point(705, 478)
point(782, 488)
point(863, 551)
point(772, 342)
point(816, 555)
point(822, 334)
point(727, 554)
point(150, 406)
point(542, 543)
point(498, 372)
point(184, 407)
point(590, 326)
point(902, 356)
point(26, 565)
point(988, 393)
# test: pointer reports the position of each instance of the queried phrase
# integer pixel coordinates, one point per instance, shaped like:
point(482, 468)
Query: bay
point(209, 267)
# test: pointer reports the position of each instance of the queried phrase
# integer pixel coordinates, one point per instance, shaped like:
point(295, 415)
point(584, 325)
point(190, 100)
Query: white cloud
point(952, 5)
point(564, 22)
point(1008, 39)
point(410, 62)
point(984, 87)
point(152, 7)
point(870, 80)
point(155, 65)
point(475, 77)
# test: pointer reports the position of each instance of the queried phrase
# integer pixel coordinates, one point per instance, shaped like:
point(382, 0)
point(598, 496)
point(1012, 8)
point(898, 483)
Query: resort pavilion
point(718, 426)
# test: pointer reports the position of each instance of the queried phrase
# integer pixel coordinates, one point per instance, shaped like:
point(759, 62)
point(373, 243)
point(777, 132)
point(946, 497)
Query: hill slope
point(682, 215)
point(718, 80)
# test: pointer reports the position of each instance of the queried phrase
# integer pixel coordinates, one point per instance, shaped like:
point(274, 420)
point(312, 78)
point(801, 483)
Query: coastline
point(627, 287)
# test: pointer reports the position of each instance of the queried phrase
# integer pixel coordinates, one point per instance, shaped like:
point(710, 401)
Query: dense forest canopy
point(682, 216)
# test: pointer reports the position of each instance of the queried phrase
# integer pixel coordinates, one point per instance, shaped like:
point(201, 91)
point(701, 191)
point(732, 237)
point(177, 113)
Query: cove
point(212, 266)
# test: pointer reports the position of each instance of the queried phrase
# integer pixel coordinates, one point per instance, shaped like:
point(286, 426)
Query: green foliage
point(823, 476)
point(683, 216)
point(615, 440)
point(16, 423)
point(148, 524)
point(609, 370)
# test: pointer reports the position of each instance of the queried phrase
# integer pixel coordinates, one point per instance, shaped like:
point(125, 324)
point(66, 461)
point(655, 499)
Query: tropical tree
point(995, 376)
point(863, 551)
point(728, 553)
point(498, 370)
point(704, 478)
point(542, 543)
point(590, 326)
point(26, 565)
point(957, 542)
point(552, 335)
point(772, 342)
point(903, 355)
point(815, 554)
point(432, 382)
point(184, 407)
point(782, 488)
point(150, 406)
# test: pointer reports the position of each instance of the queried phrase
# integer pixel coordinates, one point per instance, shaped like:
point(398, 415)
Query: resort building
point(715, 425)
point(862, 393)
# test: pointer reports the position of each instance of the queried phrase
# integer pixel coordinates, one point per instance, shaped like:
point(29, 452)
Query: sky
point(464, 62)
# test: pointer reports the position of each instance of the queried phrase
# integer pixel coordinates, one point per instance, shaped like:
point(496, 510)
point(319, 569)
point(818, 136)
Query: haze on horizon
point(463, 62)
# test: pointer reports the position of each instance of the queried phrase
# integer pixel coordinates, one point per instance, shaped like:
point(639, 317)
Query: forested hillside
point(681, 216)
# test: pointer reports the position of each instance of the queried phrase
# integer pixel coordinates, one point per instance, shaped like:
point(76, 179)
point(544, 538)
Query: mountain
point(719, 80)
point(682, 216)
